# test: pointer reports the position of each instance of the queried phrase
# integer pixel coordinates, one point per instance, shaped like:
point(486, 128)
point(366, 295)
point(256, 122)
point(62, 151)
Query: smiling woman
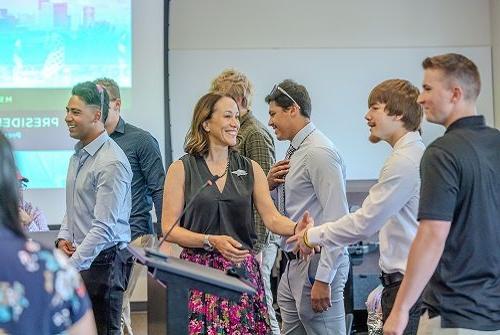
point(218, 230)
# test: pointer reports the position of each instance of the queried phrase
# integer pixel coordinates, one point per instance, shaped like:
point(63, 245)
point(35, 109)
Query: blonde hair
point(235, 84)
point(197, 141)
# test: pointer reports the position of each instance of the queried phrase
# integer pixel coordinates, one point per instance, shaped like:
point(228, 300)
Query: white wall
point(207, 36)
point(240, 24)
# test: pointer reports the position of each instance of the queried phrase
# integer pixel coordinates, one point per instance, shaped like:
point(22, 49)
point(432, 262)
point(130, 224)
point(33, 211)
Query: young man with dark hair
point(455, 252)
point(95, 229)
point(144, 156)
point(393, 116)
point(310, 292)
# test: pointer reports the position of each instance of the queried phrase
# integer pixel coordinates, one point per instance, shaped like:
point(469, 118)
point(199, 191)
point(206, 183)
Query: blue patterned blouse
point(39, 292)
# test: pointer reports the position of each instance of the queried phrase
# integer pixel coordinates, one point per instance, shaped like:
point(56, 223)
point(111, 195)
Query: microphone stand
point(155, 252)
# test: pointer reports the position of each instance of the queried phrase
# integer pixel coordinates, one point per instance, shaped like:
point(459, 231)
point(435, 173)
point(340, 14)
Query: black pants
point(388, 296)
point(106, 280)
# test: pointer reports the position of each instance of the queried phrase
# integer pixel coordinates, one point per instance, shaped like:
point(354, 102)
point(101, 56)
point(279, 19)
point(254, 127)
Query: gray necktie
point(281, 188)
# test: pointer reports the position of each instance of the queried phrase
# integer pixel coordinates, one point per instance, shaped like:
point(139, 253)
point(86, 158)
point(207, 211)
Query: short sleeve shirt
point(460, 175)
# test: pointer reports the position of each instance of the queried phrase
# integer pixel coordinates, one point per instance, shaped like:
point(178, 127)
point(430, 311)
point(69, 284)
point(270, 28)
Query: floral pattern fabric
point(40, 293)
point(213, 315)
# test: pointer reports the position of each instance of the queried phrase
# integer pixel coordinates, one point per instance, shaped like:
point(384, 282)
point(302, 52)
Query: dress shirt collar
point(302, 135)
point(467, 122)
point(93, 146)
point(409, 137)
point(245, 118)
point(120, 126)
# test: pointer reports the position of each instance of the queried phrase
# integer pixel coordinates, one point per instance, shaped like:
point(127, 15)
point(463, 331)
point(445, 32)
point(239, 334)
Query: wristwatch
point(206, 243)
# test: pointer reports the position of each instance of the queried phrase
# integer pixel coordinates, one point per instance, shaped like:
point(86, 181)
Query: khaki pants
point(433, 327)
point(145, 241)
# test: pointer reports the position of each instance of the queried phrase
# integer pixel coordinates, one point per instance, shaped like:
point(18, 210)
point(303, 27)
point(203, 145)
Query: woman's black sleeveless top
point(220, 213)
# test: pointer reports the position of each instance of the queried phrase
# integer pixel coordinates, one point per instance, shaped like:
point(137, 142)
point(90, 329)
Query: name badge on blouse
point(239, 172)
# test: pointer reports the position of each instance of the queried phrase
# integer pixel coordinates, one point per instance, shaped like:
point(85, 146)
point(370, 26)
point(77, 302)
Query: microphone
point(155, 252)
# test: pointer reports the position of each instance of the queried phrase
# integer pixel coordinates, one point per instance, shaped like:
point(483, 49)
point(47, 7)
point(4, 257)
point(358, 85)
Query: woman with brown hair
point(218, 230)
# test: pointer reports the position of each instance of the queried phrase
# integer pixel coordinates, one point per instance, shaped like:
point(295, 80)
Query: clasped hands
point(300, 238)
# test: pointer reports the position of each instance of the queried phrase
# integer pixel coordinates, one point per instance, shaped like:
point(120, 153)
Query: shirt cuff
point(315, 235)
point(325, 274)
point(64, 235)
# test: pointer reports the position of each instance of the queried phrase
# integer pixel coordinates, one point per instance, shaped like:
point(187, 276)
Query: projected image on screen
point(46, 47)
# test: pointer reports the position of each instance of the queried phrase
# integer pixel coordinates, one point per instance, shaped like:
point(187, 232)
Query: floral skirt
point(210, 314)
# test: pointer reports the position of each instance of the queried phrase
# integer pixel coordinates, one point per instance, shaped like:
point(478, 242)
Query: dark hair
point(400, 98)
point(93, 94)
point(460, 68)
point(296, 91)
point(197, 140)
point(9, 197)
point(111, 86)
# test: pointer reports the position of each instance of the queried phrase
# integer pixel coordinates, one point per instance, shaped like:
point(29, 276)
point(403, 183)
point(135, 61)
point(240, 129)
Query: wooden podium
point(169, 281)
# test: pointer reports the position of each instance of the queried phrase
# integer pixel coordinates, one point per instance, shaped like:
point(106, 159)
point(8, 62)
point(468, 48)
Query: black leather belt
point(291, 256)
point(388, 279)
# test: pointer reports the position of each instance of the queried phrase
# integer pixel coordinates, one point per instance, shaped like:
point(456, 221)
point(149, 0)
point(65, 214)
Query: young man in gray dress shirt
point(95, 229)
point(310, 293)
point(144, 156)
point(393, 116)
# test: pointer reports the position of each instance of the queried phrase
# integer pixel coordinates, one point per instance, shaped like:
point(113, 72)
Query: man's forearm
point(423, 259)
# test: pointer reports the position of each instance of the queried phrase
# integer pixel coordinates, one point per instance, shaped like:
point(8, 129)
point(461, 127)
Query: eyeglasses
point(278, 88)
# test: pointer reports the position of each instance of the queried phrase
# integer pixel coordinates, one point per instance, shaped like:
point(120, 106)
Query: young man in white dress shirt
point(394, 116)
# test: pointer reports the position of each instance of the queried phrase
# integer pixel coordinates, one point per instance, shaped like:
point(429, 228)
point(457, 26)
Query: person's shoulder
point(111, 154)
point(318, 139)
point(446, 144)
point(319, 145)
point(237, 156)
point(256, 129)
point(135, 130)
point(139, 135)
point(408, 155)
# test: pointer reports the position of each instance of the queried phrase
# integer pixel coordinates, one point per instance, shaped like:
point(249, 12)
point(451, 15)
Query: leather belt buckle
point(388, 279)
point(291, 256)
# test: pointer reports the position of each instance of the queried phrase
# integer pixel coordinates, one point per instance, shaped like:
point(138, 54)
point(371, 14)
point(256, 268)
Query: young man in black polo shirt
point(456, 247)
